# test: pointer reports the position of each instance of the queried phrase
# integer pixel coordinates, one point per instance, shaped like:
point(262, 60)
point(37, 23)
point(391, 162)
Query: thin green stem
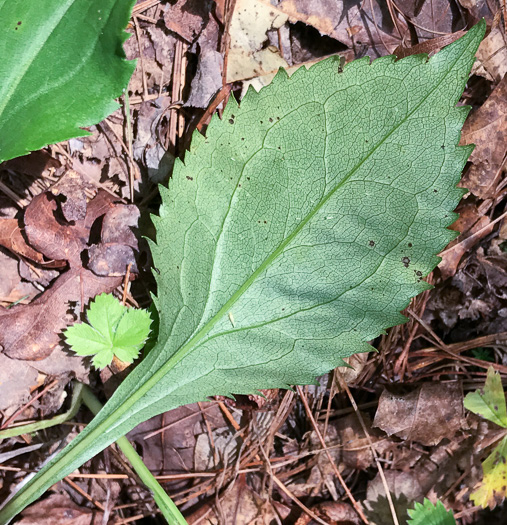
point(166, 505)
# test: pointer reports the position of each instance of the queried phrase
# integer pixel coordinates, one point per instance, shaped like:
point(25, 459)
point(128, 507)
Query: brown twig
point(345, 387)
point(301, 505)
point(325, 449)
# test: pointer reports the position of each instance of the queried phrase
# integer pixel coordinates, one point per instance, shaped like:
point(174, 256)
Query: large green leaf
point(62, 65)
point(293, 234)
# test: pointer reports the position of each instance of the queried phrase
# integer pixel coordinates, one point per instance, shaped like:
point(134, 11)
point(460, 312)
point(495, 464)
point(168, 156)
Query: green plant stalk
point(166, 505)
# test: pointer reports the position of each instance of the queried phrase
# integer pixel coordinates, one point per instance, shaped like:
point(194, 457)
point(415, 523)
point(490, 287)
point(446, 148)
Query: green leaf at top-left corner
point(62, 65)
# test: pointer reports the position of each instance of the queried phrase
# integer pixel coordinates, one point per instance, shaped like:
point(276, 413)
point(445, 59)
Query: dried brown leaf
point(428, 414)
point(486, 129)
point(451, 256)
point(492, 54)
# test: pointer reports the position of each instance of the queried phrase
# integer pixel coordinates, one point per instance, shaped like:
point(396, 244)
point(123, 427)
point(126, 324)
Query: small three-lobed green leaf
point(62, 66)
point(295, 232)
point(114, 330)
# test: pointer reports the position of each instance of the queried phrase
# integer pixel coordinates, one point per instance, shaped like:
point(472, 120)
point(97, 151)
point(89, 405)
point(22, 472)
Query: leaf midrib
point(196, 338)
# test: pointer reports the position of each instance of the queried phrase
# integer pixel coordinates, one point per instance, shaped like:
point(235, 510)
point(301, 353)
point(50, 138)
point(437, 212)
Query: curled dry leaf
point(12, 239)
point(110, 257)
point(492, 54)
point(32, 331)
point(451, 256)
point(486, 129)
point(428, 414)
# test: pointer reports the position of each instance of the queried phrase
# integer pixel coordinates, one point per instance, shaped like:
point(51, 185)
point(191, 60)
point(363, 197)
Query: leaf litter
point(467, 303)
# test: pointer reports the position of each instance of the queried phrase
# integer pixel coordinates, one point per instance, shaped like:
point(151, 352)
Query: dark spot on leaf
point(242, 138)
point(418, 273)
point(190, 178)
point(248, 178)
point(410, 245)
point(496, 407)
point(239, 185)
point(261, 122)
point(283, 309)
point(405, 261)
point(270, 119)
point(371, 243)
point(435, 191)
point(265, 222)
point(19, 23)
